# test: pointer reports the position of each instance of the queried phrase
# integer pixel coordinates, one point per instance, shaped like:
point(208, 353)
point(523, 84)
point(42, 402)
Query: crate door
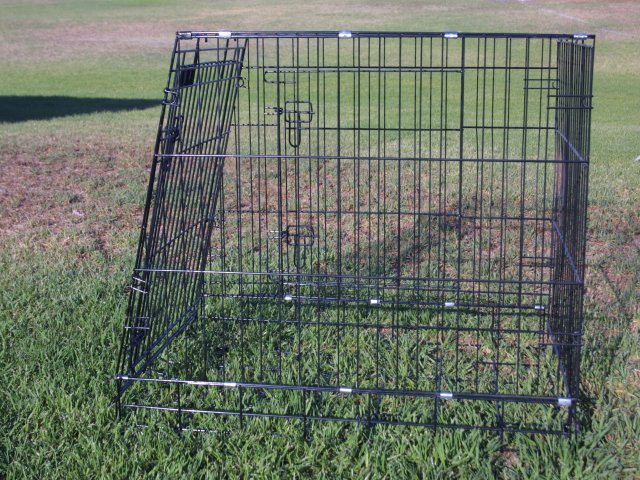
point(283, 180)
point(184, 195)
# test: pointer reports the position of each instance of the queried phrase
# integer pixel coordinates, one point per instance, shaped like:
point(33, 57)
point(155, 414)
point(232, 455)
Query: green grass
point(71, 189)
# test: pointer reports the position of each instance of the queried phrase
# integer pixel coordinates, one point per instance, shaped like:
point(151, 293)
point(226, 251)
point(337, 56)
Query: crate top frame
point(186, 35)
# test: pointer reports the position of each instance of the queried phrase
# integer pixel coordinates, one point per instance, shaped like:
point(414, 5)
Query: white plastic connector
point(345, 34)
point(449, 304)
point(345, 390)
point(288, 298)
point(224, 34)
point(374, 301)
point(137, 289)
point(199, 383)
point(564, 402)
point(446, 395)
point(538, 307)
point(580, 35)
point(451, 35)
point(229, 384)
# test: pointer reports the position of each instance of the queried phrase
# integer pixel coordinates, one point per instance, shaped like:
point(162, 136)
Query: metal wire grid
point(365, 227)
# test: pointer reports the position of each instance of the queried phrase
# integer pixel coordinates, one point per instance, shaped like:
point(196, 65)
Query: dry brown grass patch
point(53, 195)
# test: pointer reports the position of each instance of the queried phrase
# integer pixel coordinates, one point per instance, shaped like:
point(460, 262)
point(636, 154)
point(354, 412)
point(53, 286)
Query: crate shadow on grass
point(17, 109)
point(607, 342)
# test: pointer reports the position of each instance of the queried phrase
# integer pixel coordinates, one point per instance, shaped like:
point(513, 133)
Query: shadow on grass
point(605, 348)
point(22, 108)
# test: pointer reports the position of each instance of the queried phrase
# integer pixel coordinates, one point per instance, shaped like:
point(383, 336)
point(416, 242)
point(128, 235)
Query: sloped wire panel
point(184, 196)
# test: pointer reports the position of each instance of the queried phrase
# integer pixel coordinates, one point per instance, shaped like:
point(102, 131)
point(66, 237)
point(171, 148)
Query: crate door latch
point(296, 114)
point(301, 238)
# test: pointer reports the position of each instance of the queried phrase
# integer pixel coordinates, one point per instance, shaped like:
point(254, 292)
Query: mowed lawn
point(80, 84)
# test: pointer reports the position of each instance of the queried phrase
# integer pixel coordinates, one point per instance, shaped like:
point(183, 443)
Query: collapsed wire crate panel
point(368, 227)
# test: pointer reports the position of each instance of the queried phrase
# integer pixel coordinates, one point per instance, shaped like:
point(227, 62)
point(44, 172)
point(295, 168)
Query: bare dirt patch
point(30, 194)
point(602, 18)
point(509, 459)
point(613, 269)
point(93, 40)
point(54, 194)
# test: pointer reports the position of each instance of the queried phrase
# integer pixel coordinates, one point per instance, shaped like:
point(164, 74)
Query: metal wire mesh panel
point(367, 227)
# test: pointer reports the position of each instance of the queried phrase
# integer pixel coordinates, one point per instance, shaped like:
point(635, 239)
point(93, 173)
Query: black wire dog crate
point(382, 228)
